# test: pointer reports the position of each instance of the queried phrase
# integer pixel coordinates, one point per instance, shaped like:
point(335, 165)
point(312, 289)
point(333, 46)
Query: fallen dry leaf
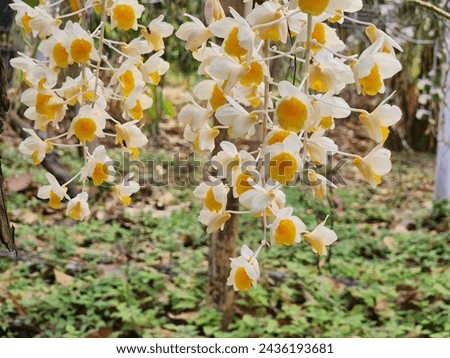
point(17, 184)
point(62, 278)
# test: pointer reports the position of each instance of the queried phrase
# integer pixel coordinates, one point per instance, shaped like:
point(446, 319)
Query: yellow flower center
point(155, 77)
point(76, 211)
point(60, 55)
point(74, 5)
point(366, 171)
point(127, 82)
point(42, 103)
point(85, 128)
point(326, 122)
point(80, 50)
point(292, 114)
point(137, 112)
point(126, 200)
point(384, 133)
point(55, 200)
point(26, 23)
point(318, 34)
point(317, 244)
point(210, 201)
point(313, 7)
point(242, 280)
point(232, 46)
point(124, 15)
point(318, 79)
point(100, 173)
point(372, 83)
point(254, 76)
point(153, 38)
point(278, 137)
point(217, 98)
point(336, 17)
point(283, 167)
point(242, 184)
point(286, 232)
point(35, 158)
point(271, 32)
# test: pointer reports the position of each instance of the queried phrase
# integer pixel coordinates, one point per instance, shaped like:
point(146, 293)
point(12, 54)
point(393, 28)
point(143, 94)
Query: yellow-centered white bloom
point(35, 146)
point(36, 20)
point(156, 31)
point(320, 238)
point(202, 139)
point(55, 49)
point(244, 270)
point(286, 228)
point(294, 109)
point(320, 147)
point(54, 192)
point(125, 13)
point(227, 70)
point(326, 108)
point(125, 189)
point(81, 90)
point(328, 73)
point(214, 195)
point(322, 36)
point(88, 123)
point(78, 208)
point(278, 135)
point(373, 67)
point(98, 167)
point(194, 116)
point(338, 7)
point(379, 120)
point(269, 12)
point(44, 106)
point(194, 33)
point(213, 11)
point(24, 13)
point(136, 103)
point(229, 160)
point(131, 137)
point(285, 163)
point(374, 165)
point(239, 121)
point(210, 91)
point(238, 38)
point(137, 47)
point(154, 68)
point(318, 184)
point(80, 44)
point(128, 77)
point(389, 44)
point(213, 221)
point(269, 199)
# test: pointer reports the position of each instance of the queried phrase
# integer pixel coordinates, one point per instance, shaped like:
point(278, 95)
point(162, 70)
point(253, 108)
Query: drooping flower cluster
point(240, 96)
point(64, 42)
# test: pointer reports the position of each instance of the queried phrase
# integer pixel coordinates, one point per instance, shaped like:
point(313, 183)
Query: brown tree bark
point(223, 243)
point(6, 230)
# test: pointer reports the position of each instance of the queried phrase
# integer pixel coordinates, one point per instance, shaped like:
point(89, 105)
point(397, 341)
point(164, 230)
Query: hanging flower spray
point(240, 93)
point(59, 30)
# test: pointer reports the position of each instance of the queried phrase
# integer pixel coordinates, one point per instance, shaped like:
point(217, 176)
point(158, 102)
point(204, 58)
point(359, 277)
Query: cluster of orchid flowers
point(240, 94)
point(58, 29)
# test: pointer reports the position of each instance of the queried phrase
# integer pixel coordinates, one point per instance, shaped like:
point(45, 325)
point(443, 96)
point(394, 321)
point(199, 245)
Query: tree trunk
point(442, 189)
point(222, 245)
point(6, 230)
